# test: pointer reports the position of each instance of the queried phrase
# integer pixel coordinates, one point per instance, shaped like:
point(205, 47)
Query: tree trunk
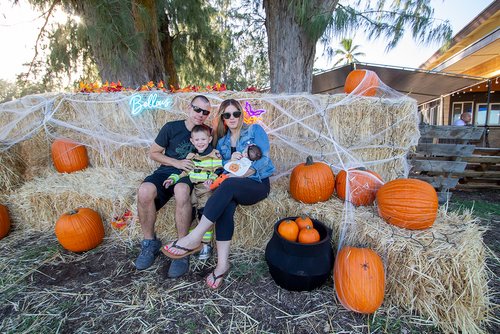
point(147, 25)
point(168, 52)
point(291, 49)
point(132, 62)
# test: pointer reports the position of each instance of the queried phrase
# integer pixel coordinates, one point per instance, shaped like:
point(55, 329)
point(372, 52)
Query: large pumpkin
point(408, 203)
point(80, 230)
point(359, 279)
point(312, 182)
point(363, 185)
point(69, 156)
point(4, 221)
point(362, 82)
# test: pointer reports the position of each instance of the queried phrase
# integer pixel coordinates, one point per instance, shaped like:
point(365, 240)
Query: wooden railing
point(447, 155)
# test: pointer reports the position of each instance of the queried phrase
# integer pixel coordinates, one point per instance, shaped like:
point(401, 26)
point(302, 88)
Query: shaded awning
point(422, 85)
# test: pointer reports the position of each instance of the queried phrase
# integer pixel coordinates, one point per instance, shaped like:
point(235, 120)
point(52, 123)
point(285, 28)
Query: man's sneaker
point(150, 248)
point(205, 252)
point(178, 267)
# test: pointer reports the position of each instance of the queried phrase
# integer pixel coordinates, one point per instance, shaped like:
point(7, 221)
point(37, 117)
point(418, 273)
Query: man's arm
point(156, 153)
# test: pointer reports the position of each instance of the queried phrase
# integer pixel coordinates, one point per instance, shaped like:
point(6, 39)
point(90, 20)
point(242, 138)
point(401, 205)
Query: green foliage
point(243, 51)
point(313, 16)
point(208, 40)
point(390, 21)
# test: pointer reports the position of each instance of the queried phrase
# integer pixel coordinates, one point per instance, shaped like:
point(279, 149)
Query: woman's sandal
point(166, 250)
point(220, 277)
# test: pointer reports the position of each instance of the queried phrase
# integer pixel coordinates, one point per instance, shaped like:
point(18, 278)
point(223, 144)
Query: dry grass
point(47, 289)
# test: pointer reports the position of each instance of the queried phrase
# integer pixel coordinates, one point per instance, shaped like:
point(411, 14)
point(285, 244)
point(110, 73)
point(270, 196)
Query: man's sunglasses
point(199, 110)
point(227, 115)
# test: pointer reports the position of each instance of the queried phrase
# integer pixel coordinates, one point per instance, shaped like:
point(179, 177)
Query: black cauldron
point(300, 267)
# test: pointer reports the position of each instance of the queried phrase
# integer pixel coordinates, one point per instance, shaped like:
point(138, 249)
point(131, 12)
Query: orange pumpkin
point(4, 221)
point(308, 235)
point(289, 230)
point(359, 279)
point(363, 185)
point(408, 203)
point(303, 221)
point(69, 156)
point(80, 230)
point(312, 182)
point(362, 82)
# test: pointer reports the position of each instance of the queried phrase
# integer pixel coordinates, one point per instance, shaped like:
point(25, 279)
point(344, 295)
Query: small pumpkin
point(408, 203)
point(308, 235)
point(80, 230)
point(359, 279)
point(69, 156)
point(363, 185)
point(4, 221)
point(362, 82)
point(312, 182)
point(304, 221)
point(289, 230)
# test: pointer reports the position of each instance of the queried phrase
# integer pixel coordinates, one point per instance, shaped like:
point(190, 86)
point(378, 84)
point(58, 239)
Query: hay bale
point(11, 173)
point(298, 126)
point(39, 203)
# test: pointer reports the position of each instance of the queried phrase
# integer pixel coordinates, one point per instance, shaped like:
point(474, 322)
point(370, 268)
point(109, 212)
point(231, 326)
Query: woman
point(231, 138)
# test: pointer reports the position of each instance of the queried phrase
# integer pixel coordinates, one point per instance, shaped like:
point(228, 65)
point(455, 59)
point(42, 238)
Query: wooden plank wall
point(443, 155)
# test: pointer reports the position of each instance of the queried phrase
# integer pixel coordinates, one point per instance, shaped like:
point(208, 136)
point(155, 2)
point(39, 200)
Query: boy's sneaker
point(205, 252)
point(150, 248)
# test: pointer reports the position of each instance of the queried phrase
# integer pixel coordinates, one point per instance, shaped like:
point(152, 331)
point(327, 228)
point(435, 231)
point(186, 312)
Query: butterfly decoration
point(252, 116)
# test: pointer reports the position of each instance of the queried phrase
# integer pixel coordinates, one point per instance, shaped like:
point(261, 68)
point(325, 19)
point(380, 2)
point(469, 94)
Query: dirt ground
point(47, 290)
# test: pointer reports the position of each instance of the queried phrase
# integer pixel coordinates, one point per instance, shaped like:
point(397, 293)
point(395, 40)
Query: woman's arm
point(263, 167)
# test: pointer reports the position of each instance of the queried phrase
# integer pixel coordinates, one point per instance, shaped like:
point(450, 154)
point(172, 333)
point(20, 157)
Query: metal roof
point(422, 85)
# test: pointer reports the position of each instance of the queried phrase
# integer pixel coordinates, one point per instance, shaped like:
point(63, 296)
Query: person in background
point(231, 136)
point(170, 148)
point(464, 119)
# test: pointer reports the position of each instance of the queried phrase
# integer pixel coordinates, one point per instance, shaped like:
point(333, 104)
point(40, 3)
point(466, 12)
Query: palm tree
point(347, 52)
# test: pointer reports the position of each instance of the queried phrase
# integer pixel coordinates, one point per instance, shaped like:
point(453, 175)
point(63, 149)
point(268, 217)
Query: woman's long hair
point(220, 129)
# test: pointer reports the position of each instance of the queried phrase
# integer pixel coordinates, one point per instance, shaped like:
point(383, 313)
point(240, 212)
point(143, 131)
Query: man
point(170, 149)
point(464, 119)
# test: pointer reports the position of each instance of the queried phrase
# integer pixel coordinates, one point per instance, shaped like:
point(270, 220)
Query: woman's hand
point(208, 183)
point(236, 156)
point(185, 165)
point(168, 183)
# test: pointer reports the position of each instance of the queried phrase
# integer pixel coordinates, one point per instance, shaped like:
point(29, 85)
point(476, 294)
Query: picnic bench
point(447, 157)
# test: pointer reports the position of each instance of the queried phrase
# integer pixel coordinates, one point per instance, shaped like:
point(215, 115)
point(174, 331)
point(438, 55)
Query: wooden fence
point(447, 158)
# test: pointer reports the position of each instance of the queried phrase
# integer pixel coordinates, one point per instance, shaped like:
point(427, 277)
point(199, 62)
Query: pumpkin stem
point(309, 161)
point(72, 212)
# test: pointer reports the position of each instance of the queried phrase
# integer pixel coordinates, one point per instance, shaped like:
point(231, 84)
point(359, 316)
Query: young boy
point(207, 167)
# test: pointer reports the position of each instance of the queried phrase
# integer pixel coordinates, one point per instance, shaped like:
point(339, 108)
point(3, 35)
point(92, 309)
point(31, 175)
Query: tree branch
point(49, 13)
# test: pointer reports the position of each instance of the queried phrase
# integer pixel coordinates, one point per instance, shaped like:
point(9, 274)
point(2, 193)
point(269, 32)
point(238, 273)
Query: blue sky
point(19, 28)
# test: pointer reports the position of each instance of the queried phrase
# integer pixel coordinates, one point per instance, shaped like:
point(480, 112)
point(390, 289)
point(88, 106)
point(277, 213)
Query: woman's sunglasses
point(199, 110)
point(227, 115)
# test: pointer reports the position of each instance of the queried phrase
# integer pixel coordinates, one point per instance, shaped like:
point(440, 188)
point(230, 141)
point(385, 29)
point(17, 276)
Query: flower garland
point(107, 87)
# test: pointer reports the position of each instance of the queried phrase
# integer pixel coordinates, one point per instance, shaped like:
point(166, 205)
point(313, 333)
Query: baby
point(241, 167)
